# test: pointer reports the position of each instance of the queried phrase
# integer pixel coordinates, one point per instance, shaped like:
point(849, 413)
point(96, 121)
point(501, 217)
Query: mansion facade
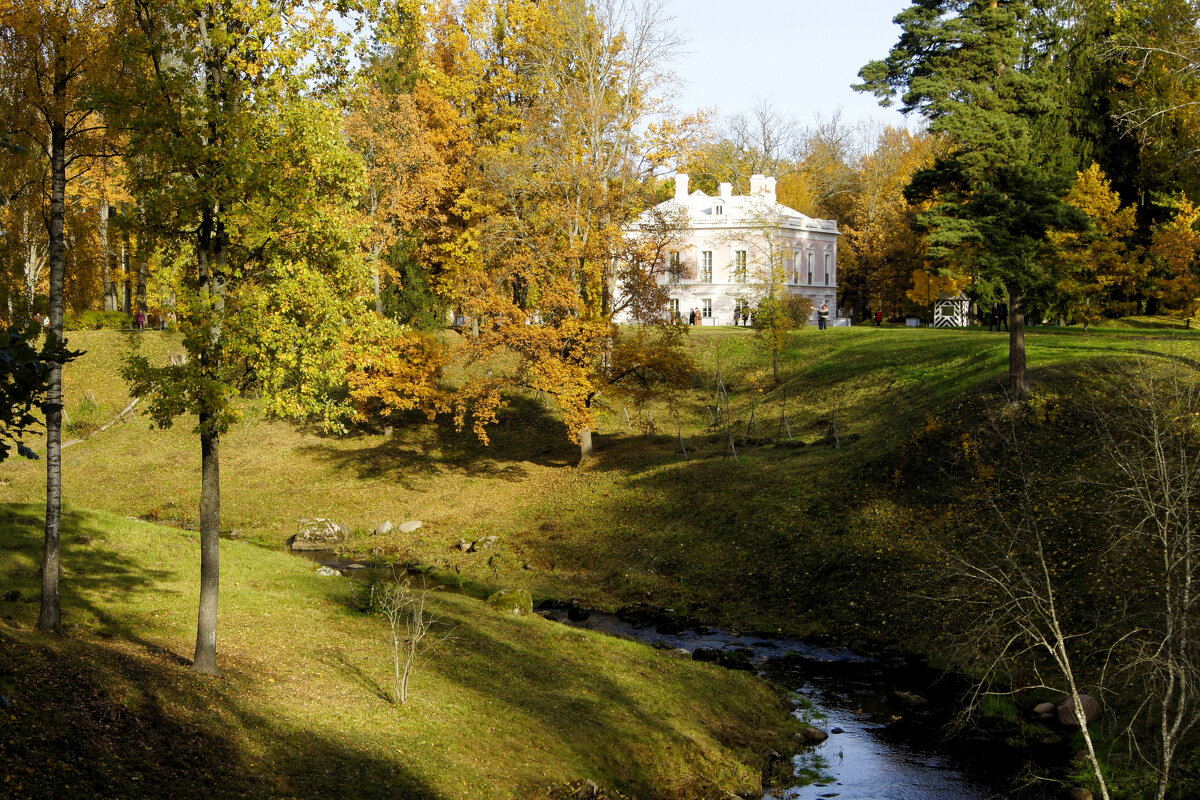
point(735, 242)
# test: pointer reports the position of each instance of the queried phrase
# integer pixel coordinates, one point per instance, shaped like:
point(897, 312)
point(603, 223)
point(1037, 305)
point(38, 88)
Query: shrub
point(96, 321)
point(799, 310)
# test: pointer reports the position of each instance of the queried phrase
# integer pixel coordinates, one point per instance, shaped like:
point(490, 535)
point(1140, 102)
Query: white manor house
point(731, 243)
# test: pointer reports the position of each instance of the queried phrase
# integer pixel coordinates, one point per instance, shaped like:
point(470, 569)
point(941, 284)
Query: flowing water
point(886, 719)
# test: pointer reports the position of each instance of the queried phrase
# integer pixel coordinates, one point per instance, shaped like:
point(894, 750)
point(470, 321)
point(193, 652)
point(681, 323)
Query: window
point(706, 308)
point(828, 259)
point(673, 272)
point(718, 209)
point(706, 266)
point(674, 308)
point(739, 266)
point(810, 267)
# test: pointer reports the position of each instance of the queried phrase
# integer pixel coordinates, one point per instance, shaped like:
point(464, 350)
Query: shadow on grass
point(89, 720)
point(119, 716)
point(527, 432)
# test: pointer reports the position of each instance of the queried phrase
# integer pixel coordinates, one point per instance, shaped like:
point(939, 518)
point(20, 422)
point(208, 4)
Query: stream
point(886, 718)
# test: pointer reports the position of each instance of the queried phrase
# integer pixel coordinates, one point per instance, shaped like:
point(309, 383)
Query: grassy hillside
point(798, 539)
point(508, 707)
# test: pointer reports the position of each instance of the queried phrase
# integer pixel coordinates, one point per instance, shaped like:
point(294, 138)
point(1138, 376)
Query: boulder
point(328, 572)
point(1079, 793)
point(463, 545)
point(486, 543)
point(319, 534)
point(810, 734)
point(677, 652)
point(910, 698)
point(1066, 710)
point(384, 529)
point(409, 527)
point(512, 601)
point(1043, 708)
point(836, 730)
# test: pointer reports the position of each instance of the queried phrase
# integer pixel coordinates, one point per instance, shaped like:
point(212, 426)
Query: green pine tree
point(975, 70)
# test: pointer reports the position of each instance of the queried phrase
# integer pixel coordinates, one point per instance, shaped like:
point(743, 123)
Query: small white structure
point(952, 311)
point(732, 244)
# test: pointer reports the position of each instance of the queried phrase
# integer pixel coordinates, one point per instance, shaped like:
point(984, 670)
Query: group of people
point(999, 316)
point(695, 317)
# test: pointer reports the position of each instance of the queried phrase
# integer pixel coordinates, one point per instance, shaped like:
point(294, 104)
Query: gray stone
point(1066, 710)
point(356, 566)
point(1043, 708)
point(319, 534)
point(678, 652)
point(328, 572)
point(512, 601)
point(409, 527)
point(812, 735)
point(464, 545)
point(384, 529)
point(486, 543)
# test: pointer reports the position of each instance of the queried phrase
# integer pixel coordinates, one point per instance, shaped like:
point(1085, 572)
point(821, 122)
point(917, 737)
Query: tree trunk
point(143, 274)
point(110, 288)
point(1018, 383)
point(585, 444)
point(128, 273)
point(375, 253)
point(50, 616)
point(205, 659)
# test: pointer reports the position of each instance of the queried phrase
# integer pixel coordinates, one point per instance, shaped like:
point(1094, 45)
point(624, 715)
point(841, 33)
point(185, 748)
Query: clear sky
point(801, 55)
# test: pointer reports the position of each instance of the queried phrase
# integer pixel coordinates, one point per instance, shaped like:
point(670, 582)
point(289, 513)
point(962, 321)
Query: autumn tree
point(878, 239)
point(1099, 270)
point(1174, 253)
point(562, 92)
point(57, 53)
point(973, 69)
point(249, 174)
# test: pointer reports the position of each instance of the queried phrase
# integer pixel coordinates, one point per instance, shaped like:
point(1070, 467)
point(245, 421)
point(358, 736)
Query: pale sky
point(801, 55)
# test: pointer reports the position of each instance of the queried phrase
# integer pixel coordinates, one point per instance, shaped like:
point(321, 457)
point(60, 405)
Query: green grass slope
point(798, 539)
point(506, 708)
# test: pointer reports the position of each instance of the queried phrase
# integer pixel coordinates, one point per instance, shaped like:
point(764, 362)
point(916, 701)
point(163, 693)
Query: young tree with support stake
point(974, 69)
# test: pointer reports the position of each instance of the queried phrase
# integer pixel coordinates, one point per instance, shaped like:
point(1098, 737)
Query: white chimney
point(757, 183)
point(769, 188)
point(681, 186)
point(725, 190)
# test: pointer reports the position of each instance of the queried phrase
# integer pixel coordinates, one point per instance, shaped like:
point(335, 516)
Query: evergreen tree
point(975, 69)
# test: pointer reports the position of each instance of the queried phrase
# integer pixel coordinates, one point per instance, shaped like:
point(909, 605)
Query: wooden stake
point(680, 447)
point(628, 421)
point(832, 434)
point(784, 425)
point(752, 425)
point(730, 447)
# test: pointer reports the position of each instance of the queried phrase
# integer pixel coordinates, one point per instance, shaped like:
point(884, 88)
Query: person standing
point(879, 318)
point(822, 316)
point(1003, 317)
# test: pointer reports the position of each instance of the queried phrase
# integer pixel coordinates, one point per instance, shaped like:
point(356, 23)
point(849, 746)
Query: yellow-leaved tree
point(1101, 272)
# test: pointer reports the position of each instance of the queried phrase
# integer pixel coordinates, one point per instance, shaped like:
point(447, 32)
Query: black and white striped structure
point(952, 311)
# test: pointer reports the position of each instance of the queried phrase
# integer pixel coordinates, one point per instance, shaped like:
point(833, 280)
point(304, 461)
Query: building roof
point(742, 209)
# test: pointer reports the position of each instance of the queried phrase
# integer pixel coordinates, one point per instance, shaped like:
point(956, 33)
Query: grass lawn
point(794, 539)
point(507, 708)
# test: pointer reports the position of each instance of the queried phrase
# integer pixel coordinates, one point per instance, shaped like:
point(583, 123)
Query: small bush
point(799, 310)
point(96, 321)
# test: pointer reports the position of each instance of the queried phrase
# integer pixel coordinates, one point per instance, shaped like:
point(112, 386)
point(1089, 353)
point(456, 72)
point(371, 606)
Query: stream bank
point(888, 716)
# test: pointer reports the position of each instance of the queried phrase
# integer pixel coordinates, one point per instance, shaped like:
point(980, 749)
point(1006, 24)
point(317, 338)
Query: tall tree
point(256, 180)
point(57, 52)
point(974, 69)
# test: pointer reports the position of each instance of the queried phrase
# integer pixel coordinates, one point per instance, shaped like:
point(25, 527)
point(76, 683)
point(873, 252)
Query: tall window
point(674, 308)
point(673, 272)
point(828, 257)
point(718, 209)
point(739, 266)
point(706, 308)
point(706, 266)
point(810, 266)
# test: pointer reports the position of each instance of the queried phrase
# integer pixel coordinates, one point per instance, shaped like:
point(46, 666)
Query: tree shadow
point(527, 432)
point(88, 720)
